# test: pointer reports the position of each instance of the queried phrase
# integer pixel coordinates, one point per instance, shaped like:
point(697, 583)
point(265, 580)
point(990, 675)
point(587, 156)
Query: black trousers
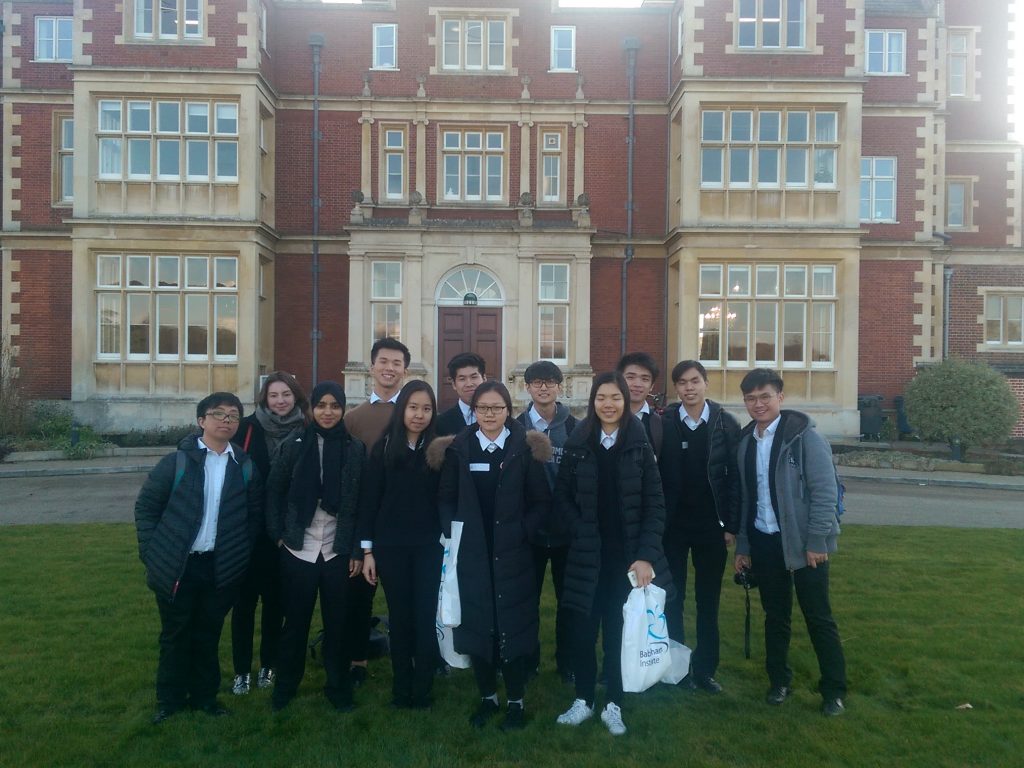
point(301, 582)
point(411, 576)
point(563, 639)
point(188, 671)
point(357, 617)
point(263, 582)
point(776, 584)
point(513, 671)
point(612, 590)
point(708, 551)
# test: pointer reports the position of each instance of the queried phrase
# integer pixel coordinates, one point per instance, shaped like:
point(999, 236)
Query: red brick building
point(824, 186)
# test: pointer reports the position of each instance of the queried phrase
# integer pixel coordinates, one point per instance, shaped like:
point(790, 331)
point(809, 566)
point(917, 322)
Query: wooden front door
point(466, 329)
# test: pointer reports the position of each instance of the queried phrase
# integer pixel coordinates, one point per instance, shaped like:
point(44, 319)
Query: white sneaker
point(242, 684)
point(612, 719)
point(576, 714)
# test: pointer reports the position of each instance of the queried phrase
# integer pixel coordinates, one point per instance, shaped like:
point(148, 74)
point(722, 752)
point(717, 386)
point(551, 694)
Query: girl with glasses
point(493, 480)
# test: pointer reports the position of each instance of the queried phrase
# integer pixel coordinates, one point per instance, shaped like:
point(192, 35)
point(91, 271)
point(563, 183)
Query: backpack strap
point(657, 434)
point(179, 469)
point(246, 471)
point(248, 438)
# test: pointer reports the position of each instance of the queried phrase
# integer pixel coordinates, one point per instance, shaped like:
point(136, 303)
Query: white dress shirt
point(766, 522)
point(608, 441)
point(375, 398)
point(214, 470)
point(645, 408)
point(498, 442)
point(685, 417)
point(318, 538)
point(468, 415)
point(539, 422)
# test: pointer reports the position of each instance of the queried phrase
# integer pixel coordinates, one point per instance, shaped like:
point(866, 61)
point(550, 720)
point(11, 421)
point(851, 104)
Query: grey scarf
point(277, 428)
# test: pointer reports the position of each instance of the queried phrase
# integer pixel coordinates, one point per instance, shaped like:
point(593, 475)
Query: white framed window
point(53, 38)
point(551, 159)
point(168, 140)
point(776, 315)
point(386, 299)
point(1004, 318)
point(769, 149)
point(263, 26)
point(679, 34)
point(886, 51)
point(553, 312)
point(473, 162)
point(563, 49)
point(473, 44)
point(393, 162)
point(167, 20)
point(385, 46)
point(146, 313)
point(959, 203)
point(960, 63)
point(878, 189)
point(64, 182)
point(771, 24)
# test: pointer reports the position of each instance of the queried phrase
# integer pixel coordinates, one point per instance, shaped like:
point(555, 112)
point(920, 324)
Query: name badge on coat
point(484, 467)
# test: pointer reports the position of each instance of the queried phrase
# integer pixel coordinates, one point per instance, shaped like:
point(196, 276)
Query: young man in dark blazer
point(467, 371)
point(197, 517)
point(640, 372)
point(701, 481)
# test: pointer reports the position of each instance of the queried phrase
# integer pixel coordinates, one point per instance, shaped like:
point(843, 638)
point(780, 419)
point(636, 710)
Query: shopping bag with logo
point(680, 666)
point(446, 644)
point(645, 646)
point(450, 609)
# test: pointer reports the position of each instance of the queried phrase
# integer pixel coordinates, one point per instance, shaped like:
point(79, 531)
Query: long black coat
point(168, 517)
point(640, 502)
point(285, 521)
point(506, 588)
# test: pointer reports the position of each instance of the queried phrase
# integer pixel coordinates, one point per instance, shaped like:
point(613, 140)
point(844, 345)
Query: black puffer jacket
point(168, 517)
point(522, 504)
point(641, 506)
point(723, 471)
point(286, 522)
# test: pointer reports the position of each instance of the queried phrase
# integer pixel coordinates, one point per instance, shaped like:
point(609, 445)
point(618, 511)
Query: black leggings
point(612, 590)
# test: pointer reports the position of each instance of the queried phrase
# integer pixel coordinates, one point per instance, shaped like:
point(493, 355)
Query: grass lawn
point(931, 619)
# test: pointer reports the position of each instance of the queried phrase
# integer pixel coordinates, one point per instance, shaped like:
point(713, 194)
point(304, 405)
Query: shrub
point(958, 402)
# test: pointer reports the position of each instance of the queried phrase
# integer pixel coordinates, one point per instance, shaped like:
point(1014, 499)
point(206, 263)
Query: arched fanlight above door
point(470, 281)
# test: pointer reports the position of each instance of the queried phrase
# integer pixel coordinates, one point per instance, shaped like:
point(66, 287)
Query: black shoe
point(708, 684)
point(567, 676)
point(341, 701)
point(164, 713)
point(279, 702)
point(443, 670)
point(487, 709)
point(214, 709)
point(777, 695)
point(515, 718)
point(421, 702)
point(687, 683)
point(401, 702)
point(832, 707)
point(359, 675)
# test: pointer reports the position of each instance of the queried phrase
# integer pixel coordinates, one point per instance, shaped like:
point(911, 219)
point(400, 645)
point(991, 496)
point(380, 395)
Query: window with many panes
point(959, 203)
point(769, 148)
point(771, 24)
point(166, 307)
point(776, 315)
point(473, 165)
point(393, 159)
point(959, 63)
point(64, 179)
point(168, 140)
point(473, 44)
point(385, 46)
point(167, 19)
point(878, 189)
point(553, 313)
point(386, 299)
point(886, 51)
point(563, 49)
point(53, 38)
point(1004, 318)
point(552, 176)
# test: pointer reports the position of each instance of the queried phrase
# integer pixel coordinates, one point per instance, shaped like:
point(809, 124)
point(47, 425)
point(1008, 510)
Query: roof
point(899, 7)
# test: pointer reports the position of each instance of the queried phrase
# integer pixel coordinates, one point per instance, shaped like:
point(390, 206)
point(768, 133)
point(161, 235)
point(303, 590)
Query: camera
point(745, 579)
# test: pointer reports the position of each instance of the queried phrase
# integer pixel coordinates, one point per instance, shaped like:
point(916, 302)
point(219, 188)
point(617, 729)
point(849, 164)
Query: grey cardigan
point(805, 487)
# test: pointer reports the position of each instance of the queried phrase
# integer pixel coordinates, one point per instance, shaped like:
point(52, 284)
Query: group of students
point(354, 498)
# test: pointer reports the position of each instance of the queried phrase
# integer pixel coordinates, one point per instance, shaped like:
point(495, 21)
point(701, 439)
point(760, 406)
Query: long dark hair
point(609, 377)
point(395, 439)
point(301, 401)
point(493, 385)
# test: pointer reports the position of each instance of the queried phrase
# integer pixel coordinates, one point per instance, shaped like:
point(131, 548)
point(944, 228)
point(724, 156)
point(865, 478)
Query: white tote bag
point(450, 609)
point(645, 645)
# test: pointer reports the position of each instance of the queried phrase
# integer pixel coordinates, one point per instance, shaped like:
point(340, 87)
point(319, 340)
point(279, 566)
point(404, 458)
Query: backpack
point(840, 488)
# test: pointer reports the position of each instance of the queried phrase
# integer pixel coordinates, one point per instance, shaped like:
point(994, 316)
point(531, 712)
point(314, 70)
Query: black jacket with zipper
point(168, 517)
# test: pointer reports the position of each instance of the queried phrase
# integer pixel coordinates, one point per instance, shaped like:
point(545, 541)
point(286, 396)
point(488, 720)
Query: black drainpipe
point(632, 45)
point(316, 42)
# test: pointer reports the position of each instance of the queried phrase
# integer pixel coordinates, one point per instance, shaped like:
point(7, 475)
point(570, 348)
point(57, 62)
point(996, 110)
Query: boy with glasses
point(196, 517)
point(788, 529)
point(550, 417)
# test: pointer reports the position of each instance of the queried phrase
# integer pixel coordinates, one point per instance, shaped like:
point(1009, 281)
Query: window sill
point(385, 69)
point(886, 74)
point(563, 71)
point(50, 61)
point(989, 346)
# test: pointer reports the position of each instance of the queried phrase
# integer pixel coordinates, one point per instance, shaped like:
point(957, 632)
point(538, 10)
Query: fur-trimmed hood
point(537, 442)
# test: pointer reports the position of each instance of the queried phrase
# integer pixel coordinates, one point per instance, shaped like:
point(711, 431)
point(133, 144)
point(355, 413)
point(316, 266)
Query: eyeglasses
point(764, 398)
point(544, 383)
point(230, 418)
point(490, 410)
